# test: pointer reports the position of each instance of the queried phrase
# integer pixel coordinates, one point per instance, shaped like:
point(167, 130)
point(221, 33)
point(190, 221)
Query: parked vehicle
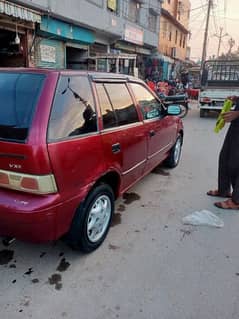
point(219, 80)
point(71, 142)
point(178, 99)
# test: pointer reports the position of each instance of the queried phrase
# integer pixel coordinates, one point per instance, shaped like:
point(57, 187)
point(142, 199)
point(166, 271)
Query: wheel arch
point(112, 179)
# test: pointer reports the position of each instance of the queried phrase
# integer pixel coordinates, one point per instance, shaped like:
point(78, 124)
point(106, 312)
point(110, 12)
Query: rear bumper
point(34, 227)
point(34, 218)
point(208, 107)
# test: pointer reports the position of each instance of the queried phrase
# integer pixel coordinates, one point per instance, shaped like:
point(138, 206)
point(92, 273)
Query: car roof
point(68, 72)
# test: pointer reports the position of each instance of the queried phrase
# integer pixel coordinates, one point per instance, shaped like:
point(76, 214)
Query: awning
point(20, 12)
point(65, 31)
point(132, 48)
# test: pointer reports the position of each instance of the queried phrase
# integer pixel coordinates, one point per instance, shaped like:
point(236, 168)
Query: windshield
point(19, 93)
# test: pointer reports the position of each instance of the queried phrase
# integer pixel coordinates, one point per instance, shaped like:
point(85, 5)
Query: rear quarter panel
point(76, 164)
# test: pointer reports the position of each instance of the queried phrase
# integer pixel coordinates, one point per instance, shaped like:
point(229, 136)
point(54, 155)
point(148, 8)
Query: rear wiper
point(13, 132)
point(7, 126)
point(12, 128)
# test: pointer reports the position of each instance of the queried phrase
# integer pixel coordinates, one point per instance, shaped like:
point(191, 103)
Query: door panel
point(76, 163)
point(130, 160)
point(160, 136)
point(158, 126)
point(124, 139)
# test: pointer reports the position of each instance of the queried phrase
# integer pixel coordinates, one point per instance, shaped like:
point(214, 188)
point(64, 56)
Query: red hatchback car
point(71, 142)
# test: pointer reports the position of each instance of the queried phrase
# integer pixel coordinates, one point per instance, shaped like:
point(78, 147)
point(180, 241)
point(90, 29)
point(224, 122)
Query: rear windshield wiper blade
point(8, 126)
point(13, 132)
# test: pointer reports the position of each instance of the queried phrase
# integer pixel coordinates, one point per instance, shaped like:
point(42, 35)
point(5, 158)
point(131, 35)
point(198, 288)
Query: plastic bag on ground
point(203, 217)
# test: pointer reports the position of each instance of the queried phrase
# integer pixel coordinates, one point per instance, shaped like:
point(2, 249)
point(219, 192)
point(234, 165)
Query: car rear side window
point(19, 93)
point(149, 105)
point(116, 104)
point(73, 112)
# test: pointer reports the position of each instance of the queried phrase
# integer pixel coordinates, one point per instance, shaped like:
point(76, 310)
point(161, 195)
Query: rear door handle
point(151, 133)
point(116, 148)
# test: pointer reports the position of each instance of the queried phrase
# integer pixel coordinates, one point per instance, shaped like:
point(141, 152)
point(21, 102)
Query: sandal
point(227, 204)
point(217, 194)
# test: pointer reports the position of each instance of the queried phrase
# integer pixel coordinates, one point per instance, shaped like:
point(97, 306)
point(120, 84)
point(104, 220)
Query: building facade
point(105, 35)
point(174, 32)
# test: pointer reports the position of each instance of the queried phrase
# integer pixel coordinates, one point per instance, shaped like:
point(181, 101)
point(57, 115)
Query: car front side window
point(150, 107)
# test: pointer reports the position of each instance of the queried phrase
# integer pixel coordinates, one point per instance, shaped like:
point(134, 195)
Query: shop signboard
point(112, 5)
point(134, 35)
point(48, 53)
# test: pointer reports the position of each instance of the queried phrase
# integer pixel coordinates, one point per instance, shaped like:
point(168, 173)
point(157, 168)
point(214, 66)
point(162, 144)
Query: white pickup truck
point(220, 79)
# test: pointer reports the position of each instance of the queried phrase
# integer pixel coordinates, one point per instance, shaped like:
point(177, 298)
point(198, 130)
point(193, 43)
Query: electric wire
point(225, 13)
point(199, 30)
point(215, 21)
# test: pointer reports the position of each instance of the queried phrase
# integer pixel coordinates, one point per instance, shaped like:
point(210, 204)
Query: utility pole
point(204, 51)
point(220, 36)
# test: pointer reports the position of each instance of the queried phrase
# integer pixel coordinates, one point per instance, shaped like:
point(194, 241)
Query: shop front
point(116, 63)
point(132, 43)
point(17, 24)
point(60, 44)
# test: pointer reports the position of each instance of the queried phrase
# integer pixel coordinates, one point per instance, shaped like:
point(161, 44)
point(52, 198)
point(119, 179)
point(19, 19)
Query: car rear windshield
point(19, 93)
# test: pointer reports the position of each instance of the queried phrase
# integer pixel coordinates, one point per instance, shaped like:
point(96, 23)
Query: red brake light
point(29, 183)
point(4, 178)
point(206, 99)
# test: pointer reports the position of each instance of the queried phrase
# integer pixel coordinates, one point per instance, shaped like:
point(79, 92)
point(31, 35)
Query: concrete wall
point(180, 10)
point(171, 35)
point(170, 6)
point(179, 42)
point(93, 14)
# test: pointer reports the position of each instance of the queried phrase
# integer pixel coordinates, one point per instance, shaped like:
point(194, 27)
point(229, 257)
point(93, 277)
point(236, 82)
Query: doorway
point(12, 49)
point(77, 58)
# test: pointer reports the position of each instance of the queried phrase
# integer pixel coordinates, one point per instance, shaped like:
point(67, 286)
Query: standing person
point(150, 83)
point(228, 168)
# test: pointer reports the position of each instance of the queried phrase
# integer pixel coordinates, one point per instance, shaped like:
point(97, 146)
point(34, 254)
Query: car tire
point(92, 220)
point(174, 155)
point(202, 113)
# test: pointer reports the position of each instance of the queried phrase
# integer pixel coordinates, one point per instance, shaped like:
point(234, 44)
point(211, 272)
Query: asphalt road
point(151, 266)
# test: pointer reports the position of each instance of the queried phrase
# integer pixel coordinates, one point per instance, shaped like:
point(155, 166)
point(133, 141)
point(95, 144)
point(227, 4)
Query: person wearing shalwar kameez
point(228, 164)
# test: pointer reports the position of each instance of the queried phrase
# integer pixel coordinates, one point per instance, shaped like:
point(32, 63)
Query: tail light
point(206, 100)
point(42, 184)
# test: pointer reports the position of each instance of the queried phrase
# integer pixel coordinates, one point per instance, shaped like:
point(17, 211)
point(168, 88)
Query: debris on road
point(203, 218)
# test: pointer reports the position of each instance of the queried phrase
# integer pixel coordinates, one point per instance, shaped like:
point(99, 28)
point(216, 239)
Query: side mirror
point(174, 109)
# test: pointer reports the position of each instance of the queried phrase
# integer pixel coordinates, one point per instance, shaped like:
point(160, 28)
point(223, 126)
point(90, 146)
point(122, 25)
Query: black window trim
point(122, 127)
